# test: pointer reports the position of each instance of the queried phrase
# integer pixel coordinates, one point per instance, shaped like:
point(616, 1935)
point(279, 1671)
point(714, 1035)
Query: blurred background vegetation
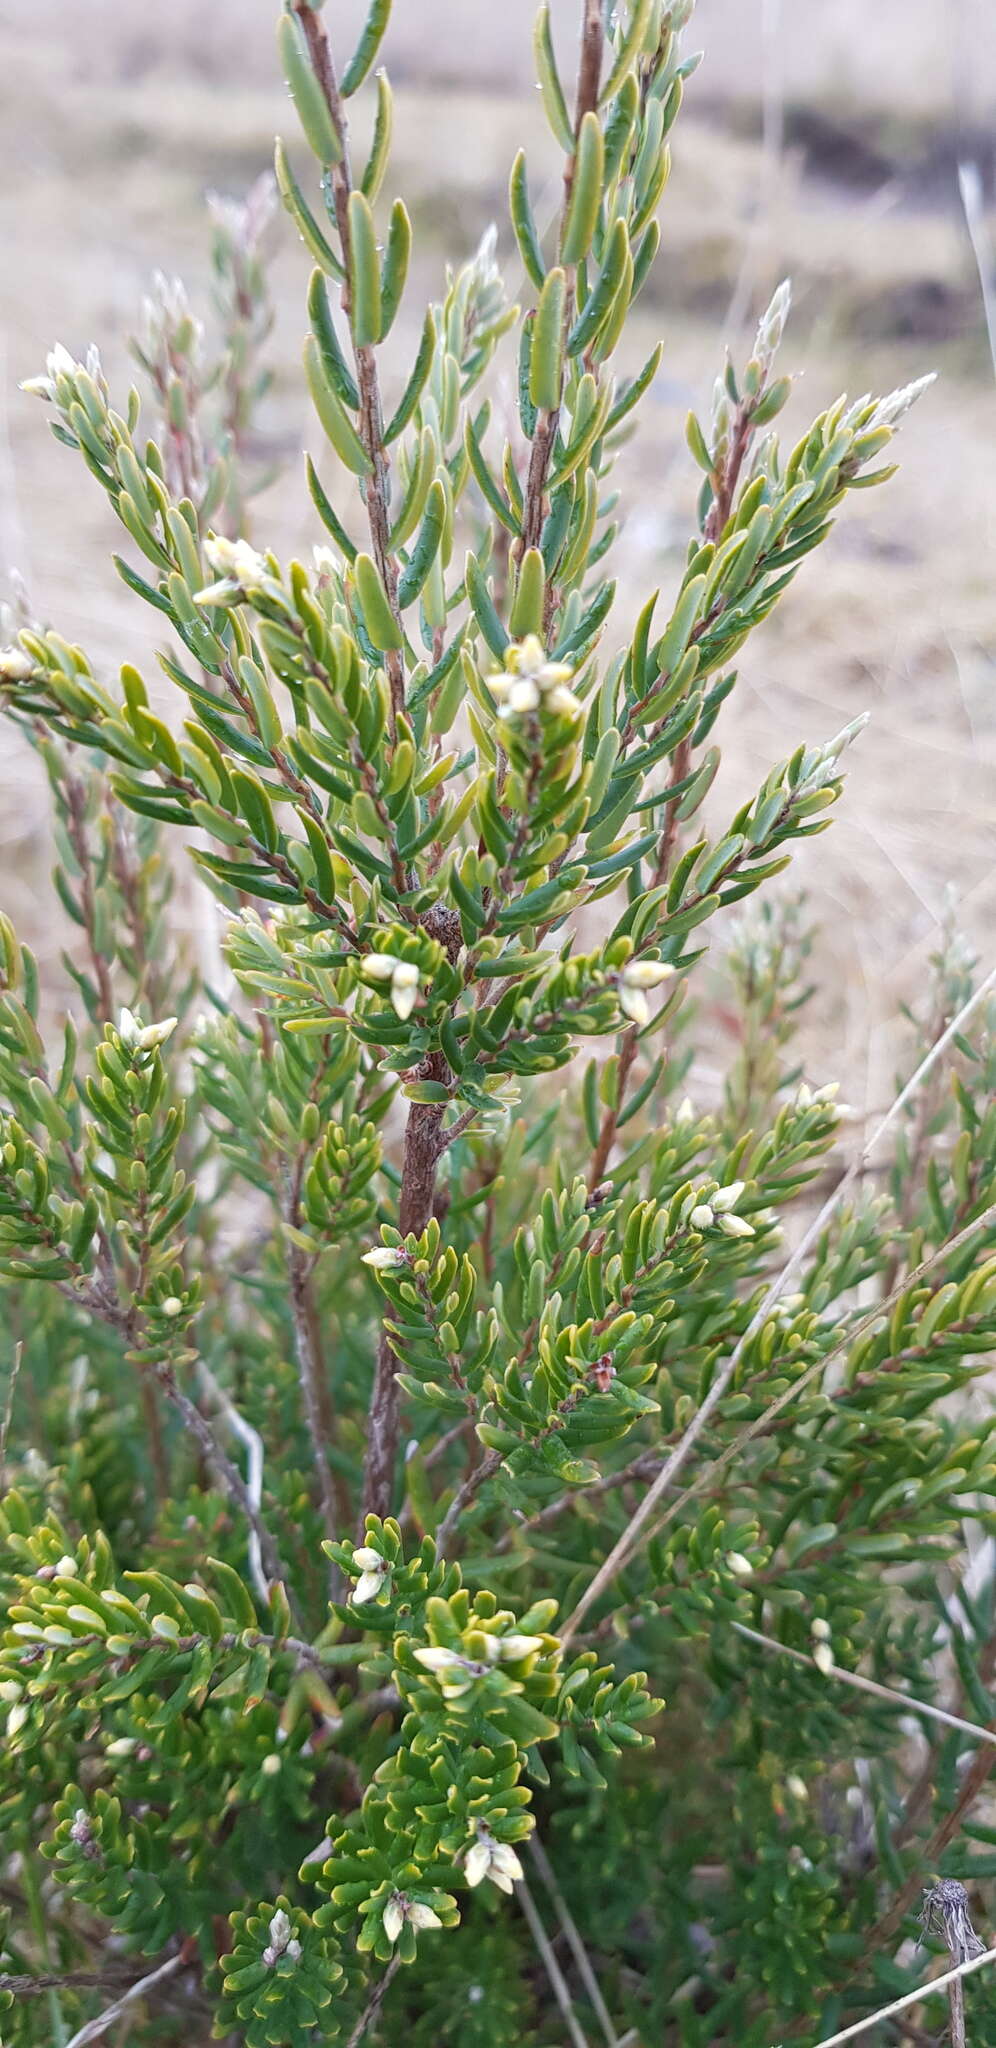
point(820, 138)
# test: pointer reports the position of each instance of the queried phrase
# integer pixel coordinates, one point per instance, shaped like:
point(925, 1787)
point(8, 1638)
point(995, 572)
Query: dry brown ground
point(117, 117)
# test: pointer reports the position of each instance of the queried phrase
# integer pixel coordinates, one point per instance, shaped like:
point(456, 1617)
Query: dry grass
point(117, 120)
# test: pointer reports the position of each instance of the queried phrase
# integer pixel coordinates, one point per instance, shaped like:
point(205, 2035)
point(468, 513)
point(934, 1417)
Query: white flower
point(739, 1564)
point(394, 1917)
point(403, 976)
point(701, 1216)
point(155, 1034)
point(509, 1649)
point(634, 980)
point(282, 1942)
point(67, 1568)
point(239, 567)
point(735, 1226)
point(797, 1786)
point(234, 558)
point(495, 1860)
point(400, 1908)
point(280, 1929)
point(823, 1658)
point(325, 562)
point(728, 1197)
point(456, 1674)
point(821, 1630)
point(15, 665)
point(438, 1659)
point(404, 988)
point(384, 1258)
point(375, 1572)
point(530, 682)
point(128, 1027)
point(172, 1306)
point(270, 1765)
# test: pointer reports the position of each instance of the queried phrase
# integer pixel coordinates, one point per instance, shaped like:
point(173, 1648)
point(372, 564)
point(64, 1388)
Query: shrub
point(408, 1394)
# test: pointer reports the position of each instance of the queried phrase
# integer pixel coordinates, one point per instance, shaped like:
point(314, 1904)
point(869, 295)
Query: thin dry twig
point(93, 2029)
point(888, 1693)
point(373, 2005)
point(574, 1941)
point(970, 189)
point(622, 1549)
point(885, 2012)
point(819, 1365)
point(551, 1965)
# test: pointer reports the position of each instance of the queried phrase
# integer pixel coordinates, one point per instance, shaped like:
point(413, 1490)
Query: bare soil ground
point(117, 118)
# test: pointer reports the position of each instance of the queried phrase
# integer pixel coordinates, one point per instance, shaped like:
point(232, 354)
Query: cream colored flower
point(531, 682)
point(634, 981)
point(403, 978)
point(15, 665)
point(735, 1226)
point(400, 1908)
point(394, 1917)
point(375, 1573)
point(494, 1860)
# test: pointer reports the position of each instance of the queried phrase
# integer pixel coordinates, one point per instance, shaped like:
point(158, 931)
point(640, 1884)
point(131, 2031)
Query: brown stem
point(423, 1146)
point(722, 504)
point(610, 1121)
point(373, 2006)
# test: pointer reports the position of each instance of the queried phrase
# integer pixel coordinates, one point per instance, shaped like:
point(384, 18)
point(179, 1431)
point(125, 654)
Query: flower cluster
point(530, 682)
point(402, 977)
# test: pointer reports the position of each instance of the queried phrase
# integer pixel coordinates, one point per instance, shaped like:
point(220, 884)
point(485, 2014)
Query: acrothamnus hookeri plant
point(406, 1392)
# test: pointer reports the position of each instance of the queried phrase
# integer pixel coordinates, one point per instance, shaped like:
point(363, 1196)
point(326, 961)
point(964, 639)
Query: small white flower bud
point(739, 1564)
point(394, 1917)
point(728, 1197)
point(421, 1917)
point(823, 1658)
point(270, 1765)
point(735, 1226)
point(15, 665)
point(172, 1306)
point(701, 1217)
point(155, 1034)
point(385, 1258)
point(67, 1568)
point(797, 1786)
